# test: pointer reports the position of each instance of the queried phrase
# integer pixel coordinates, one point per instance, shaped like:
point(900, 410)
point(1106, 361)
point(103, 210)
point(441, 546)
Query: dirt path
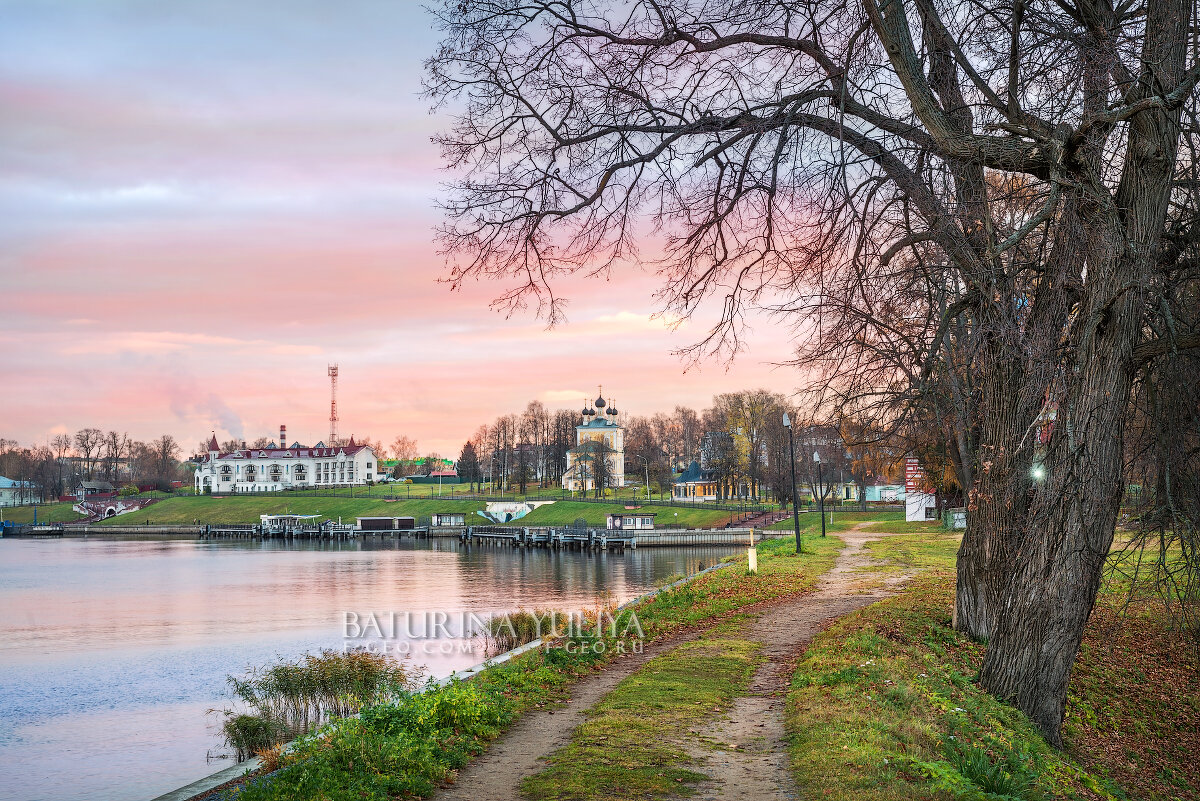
point(750, 759)
point(754, 764)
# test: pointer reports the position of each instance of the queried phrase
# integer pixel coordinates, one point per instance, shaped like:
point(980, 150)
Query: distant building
point(273, 468)
point(15, 493)
point(920, 500)
point(599, 436)
point(631, 521)
point(437, 477)
point(885, 493)
point(697, 483)
point(88, 488)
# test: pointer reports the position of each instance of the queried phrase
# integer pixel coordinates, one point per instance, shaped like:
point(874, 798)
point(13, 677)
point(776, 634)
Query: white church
point(598, 434)
point(280, 467)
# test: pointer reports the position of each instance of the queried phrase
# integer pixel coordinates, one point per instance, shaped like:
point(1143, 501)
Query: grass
point(936, 550)
point(845, 519)
point(635, 743)
point(1133, 712)
point(46, 513)
point(247, 509)
point(409, 746)
point(781, 572)
point(884, 705)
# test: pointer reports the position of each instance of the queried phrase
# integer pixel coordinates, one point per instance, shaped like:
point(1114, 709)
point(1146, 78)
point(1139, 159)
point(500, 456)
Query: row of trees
point(55, 468)
point(740, 439)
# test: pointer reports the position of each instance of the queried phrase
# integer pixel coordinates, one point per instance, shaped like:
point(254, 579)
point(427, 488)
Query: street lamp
point(787, 423)
point(820, 491)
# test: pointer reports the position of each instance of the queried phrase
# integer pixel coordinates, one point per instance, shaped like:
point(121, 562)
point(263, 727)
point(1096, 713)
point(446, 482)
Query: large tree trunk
point(997, 501)
point(1059, 563)
point(1058, 566)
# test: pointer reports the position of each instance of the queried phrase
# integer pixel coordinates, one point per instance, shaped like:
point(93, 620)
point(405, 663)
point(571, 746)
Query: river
point(113, 653)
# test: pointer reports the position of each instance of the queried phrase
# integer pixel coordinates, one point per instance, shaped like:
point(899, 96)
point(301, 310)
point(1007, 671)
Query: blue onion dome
point(612, 410)
point(600, 402)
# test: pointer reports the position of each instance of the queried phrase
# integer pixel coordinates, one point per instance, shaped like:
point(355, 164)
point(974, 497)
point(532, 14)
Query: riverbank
point(532, 684)
point(741, 694)
point(134, 639)
point(380, 501)
point(882, 705)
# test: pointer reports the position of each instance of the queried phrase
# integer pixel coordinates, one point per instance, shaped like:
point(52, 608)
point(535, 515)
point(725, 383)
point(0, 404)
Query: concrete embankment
point(656, 538)
point(143, 532)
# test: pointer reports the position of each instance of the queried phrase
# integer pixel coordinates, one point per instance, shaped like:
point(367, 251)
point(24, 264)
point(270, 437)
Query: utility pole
point(820, 491)
point(787, 423)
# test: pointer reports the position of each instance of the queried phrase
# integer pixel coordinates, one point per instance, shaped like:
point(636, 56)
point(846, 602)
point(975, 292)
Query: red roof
point(212, 444)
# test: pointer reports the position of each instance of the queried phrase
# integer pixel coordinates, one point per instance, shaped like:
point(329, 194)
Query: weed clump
point(286, 699)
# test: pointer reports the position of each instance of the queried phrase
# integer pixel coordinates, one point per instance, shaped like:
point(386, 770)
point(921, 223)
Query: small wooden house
point(387, 523)
point(631, 521)
point(441, 519)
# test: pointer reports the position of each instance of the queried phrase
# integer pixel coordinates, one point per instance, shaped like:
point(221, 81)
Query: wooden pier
point(602, 539)
point(583, 539)
point(328, 532)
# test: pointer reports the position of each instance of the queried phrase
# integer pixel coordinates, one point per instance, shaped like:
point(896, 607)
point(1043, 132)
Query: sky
point(203, 203)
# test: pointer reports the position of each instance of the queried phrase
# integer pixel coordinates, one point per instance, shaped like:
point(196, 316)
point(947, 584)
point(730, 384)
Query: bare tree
point(404, 451)
point(89, 441)
point(116, 448)
point(166, 450)
point(792, 149)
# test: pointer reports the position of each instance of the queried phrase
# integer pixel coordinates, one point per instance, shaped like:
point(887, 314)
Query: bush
point(128, 490)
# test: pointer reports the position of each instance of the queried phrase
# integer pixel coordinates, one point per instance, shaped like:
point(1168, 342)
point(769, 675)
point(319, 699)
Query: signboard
point(914, 475)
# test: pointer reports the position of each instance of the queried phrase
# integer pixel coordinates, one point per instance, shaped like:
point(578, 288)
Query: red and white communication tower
point(333, 418)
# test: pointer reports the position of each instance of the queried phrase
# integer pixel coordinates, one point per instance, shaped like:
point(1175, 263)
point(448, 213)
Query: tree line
point(55, 468)
point(740, 440)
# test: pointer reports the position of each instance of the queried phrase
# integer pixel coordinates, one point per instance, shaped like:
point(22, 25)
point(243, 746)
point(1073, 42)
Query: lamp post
point(820, 491)
point(787, 423)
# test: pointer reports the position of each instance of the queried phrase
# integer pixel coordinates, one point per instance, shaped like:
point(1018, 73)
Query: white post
point(752, 556)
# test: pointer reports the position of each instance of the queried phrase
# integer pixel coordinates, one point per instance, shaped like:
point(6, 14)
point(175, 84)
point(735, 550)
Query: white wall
point(915, 504)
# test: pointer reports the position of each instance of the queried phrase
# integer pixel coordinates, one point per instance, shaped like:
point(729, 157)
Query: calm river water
point(112, 653)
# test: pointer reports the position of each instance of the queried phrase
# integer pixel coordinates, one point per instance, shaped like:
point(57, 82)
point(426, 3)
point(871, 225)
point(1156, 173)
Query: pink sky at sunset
point(204, 203)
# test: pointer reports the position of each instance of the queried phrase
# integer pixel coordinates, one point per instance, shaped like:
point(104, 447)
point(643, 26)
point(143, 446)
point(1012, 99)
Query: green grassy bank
point(411, 745)
point(885, 705)
point(46, 513)
point(248, 508)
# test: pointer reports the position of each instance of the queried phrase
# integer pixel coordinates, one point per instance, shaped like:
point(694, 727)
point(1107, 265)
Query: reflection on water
point(112, 652)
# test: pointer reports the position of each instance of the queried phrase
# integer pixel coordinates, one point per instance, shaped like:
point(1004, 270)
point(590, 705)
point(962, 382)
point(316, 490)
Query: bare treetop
point(768, 140)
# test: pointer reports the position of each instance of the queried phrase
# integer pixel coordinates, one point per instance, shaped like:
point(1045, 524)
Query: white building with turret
point(598, 436)
point(275, 468)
